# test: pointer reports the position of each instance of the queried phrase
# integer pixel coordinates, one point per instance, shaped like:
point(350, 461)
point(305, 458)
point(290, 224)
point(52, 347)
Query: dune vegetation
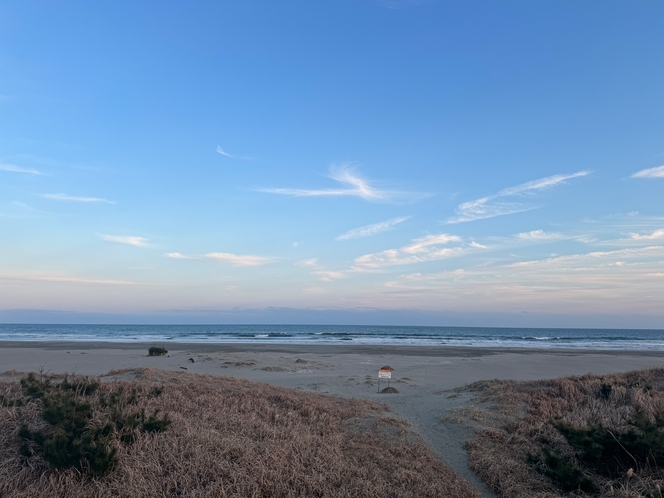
point(150, 433)
point(576, 436)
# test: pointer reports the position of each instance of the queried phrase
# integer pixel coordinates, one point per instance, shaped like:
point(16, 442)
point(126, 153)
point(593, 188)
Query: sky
point(350, 161)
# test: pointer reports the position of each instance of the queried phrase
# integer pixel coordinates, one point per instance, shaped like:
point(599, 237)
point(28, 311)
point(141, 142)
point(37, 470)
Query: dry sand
point(422, 375)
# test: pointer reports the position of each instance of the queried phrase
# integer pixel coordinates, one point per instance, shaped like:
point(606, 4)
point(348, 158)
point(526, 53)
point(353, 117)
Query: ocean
point(344, 334)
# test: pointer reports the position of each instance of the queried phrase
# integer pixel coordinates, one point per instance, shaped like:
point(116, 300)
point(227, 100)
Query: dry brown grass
point(522, 425)
point(232, 437)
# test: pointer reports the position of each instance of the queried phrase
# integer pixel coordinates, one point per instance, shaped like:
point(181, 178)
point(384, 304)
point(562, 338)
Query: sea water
point(344, 334)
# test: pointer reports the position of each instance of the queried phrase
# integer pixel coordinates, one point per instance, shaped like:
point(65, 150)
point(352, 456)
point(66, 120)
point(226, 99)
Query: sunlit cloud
point(657, 172)
point(373, 229)
point(328, 275)
point(17, 169)
point(494, 205)
point(132, 240)
point(538, 235)
point(71, 198)
point(624, 280)
point(177, 255)
point(309, 263)
point(657, 234)
point(353, 186)
point(418, 251)
point(239, 259)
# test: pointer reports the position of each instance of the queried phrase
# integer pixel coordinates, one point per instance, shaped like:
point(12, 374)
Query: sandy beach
point(422, 375)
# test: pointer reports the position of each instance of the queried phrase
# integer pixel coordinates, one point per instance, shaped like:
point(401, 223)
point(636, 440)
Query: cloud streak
point(418, 251)
point(226, 154)
point(177, 255)
point(373, 229)
point(66, 280)
point(494, 205)
point(16, 169)
point(353, 186)
point(239, 259)
point(71, 198)
point(600, 282)
point(538, 235)
point(657, 172)
point(132, 240)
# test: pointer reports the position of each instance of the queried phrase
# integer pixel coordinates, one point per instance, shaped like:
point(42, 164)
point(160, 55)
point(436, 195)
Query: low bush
point(157, 351)
point(592, 435)
point(81, 427)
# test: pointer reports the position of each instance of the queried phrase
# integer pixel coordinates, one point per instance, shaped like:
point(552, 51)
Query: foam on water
point(337, 334)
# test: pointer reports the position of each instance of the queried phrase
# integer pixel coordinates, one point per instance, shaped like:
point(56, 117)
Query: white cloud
point(16, 169)
point(657, 234)
point(309, 263)
point(373, 229)
point(239, 259)
point(65, 197)
point(419, 251)
point(177, 255)
point(477, 245)
point(66, 280)
point(538, 235)
point(132, 240)
point(490, 207)
point(657, 172)
point(354, 186)
point(328, 275)
point(609, 257)
point(625, 280)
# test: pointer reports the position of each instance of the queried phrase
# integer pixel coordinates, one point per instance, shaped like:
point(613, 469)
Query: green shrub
point(602, 452)
point(154, 423)
point(563, 472)
point(74, 441)
point(157, 351)
point(612, 453)
point(605, 391)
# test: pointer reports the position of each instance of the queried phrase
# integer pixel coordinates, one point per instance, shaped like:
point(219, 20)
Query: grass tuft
point(591, 435)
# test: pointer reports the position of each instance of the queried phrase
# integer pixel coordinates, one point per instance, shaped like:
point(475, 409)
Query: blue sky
point(461, 162)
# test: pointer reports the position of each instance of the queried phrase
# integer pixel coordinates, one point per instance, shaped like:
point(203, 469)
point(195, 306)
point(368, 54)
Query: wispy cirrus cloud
point(72, 198)
point(232, 156)
point(239, 259)
point(308, 263)
point(17, 169)
point(353, 186)
point(328, 275)
point(418, 251)
point(538, 235)
point(373, 229)
point(599, 281)
point(496, 205)
point(132, 240)
point(65, 280)
point(177, 255)
point(320, 272)
point(657, 172)
point(225, 257)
